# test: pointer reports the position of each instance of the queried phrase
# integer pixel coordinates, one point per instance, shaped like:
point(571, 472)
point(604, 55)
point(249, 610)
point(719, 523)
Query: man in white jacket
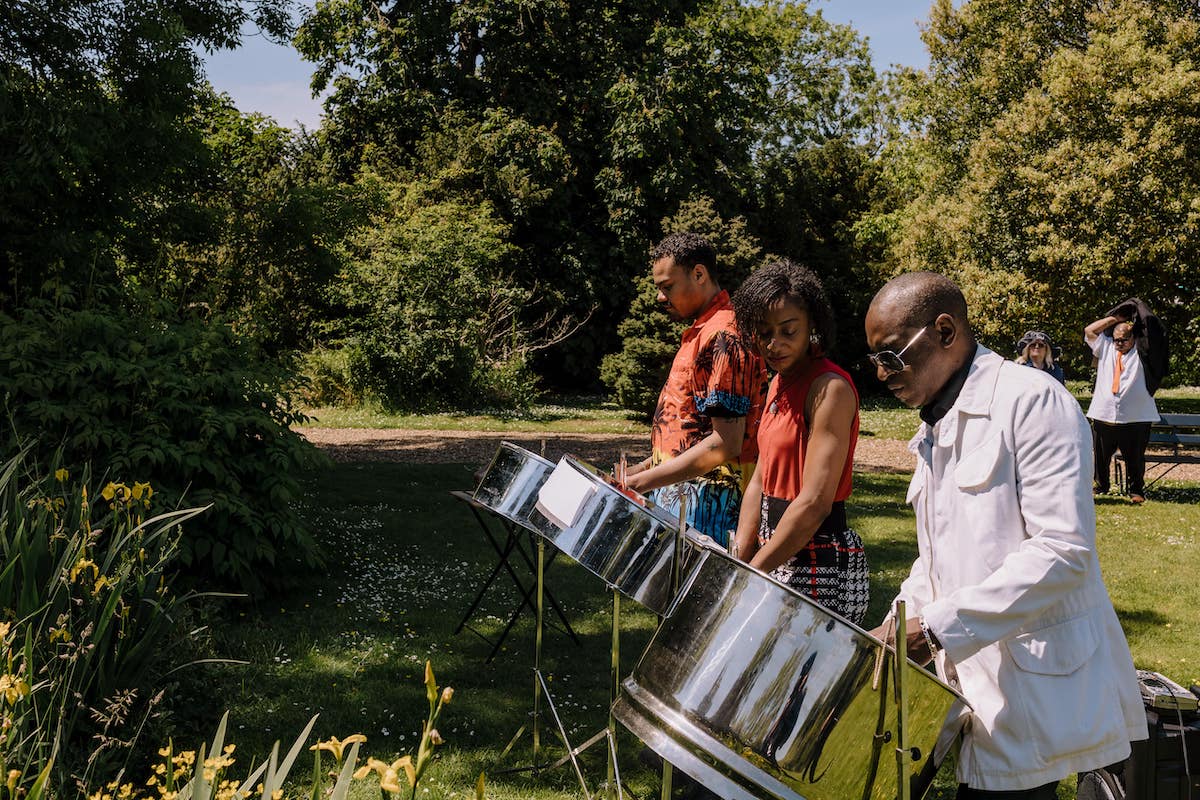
point(1006, 593)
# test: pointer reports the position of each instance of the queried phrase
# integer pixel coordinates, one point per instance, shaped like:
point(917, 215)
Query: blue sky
point(272, 79)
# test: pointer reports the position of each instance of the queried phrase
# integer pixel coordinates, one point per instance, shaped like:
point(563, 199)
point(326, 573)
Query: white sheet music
point(564, 495)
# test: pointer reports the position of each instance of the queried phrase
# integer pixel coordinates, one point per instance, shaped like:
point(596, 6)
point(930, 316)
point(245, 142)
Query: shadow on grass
point(405, 559)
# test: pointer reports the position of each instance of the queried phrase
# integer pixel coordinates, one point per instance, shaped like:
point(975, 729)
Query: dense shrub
point(90, 620)
point(185, 402)
point(436, 314)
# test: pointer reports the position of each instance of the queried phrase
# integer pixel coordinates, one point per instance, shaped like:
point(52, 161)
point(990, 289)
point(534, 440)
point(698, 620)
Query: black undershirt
point(944, 400)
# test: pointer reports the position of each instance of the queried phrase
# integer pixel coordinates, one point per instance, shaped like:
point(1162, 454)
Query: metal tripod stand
point(540, 688)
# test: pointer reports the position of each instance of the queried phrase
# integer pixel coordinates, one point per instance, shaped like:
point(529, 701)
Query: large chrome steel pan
point(510, 484)
point(617, 535)
point(756, 691)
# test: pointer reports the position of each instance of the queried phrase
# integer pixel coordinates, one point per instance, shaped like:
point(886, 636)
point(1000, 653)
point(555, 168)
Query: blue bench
point(1174, 440)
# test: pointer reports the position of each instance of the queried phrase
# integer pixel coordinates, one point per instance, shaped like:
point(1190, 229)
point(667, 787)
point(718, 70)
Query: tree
point(1074, 185)
point(649, 103)
point(262, 243)
point(108, 185)
point(93, 99)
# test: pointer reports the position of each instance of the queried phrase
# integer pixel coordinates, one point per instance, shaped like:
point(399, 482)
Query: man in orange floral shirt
point(707, 415)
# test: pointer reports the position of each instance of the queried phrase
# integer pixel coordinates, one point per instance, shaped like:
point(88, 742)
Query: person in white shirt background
point(1122, 408)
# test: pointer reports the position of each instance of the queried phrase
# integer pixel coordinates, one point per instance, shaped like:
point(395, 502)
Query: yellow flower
point(12, 688)
point(389, 774)
point(142, 489)
point(59, 633)
point(4, 626)
point(14, 775)
point(81, 565)
point(61, 475)
point(337, 746)
point(430, 683)
point(447, 693)
point(109, 491)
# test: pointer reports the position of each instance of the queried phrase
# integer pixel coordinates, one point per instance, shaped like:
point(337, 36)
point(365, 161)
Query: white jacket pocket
point(1050, 709)
point(1055, 650)
point(975, 470)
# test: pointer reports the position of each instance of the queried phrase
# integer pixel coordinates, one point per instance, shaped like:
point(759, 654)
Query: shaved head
point(916, 298)
point(923, 316)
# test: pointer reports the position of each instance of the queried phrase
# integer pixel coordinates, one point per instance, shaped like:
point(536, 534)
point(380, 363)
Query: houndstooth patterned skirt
point(831, 569)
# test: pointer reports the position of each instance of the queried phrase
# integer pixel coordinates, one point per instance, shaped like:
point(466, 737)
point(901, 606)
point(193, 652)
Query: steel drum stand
point(898, 625)
point(608, 733)
point(903, 753)
point(683, 491)
point(504, 553)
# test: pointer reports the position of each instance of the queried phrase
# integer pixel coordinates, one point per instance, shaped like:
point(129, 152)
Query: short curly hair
point(783, 280)
point(687, 250)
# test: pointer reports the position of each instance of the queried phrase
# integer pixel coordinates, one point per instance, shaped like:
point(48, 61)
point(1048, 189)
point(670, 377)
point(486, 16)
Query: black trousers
point(1046, 792)
point(1131, 438)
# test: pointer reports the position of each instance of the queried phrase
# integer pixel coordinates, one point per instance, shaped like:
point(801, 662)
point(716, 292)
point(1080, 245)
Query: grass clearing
point(881, 417)
point(581, 414)
point(405, 559)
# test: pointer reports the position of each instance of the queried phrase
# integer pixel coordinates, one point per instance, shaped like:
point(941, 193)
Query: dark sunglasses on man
point(892, 362)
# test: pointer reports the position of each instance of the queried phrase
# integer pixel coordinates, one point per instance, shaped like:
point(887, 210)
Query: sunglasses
point(892, 362)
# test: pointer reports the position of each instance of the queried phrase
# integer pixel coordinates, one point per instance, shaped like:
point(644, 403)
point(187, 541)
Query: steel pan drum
point(621, 538)
point(511, 482)
point(756, 691)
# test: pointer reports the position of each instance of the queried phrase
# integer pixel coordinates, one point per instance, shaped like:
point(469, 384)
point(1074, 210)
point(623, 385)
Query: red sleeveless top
point(783, 433)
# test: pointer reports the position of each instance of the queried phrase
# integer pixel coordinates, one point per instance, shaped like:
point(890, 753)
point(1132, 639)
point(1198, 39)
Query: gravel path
point(474, 447)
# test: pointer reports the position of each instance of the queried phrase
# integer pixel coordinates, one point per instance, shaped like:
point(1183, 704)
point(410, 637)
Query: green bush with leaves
point(183, 401)
point(90, 620)
point(438, 315)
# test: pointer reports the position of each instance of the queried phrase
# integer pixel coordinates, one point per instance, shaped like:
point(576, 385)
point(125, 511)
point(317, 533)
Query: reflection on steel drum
point(756, 691)
point(622, 539)
point(510, 483)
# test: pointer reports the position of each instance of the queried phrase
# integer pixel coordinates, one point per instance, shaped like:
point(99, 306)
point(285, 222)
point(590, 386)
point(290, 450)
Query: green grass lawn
point(405, 558)
point(881, 417)
point(577, 414)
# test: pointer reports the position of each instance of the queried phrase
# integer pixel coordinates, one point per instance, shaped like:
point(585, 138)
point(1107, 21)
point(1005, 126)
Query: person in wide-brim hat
point(1037, 349)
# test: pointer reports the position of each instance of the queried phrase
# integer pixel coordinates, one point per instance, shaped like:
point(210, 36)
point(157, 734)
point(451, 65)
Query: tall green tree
point(650, 103)
point(1061, 151)
point(93, 102)
point(123, 241)
point(262, 242)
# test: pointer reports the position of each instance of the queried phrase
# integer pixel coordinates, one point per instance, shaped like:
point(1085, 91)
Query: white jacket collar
point(974, 399)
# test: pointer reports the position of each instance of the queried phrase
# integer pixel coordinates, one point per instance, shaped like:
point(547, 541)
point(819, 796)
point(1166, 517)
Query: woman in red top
point(792, 522)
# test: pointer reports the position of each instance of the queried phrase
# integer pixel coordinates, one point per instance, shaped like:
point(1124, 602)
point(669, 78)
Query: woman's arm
point(745, 541)
point(833, 407)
